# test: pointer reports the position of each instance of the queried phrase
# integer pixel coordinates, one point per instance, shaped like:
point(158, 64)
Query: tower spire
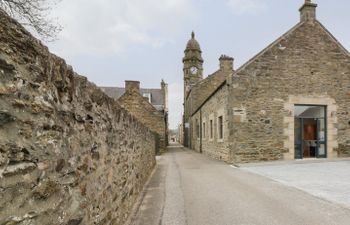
point(193, 35)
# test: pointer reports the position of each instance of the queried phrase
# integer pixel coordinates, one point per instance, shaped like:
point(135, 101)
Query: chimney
point(147, 99)
point(226, 62)
point(164, 88)
point(308, 11)
point(132, 86)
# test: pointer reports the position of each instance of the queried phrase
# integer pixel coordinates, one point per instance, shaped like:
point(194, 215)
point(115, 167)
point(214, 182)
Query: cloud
point(103, 27)
point(240, 7)
point(175, 106)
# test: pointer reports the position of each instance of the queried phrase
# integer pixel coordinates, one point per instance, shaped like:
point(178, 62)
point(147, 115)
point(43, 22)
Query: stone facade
point(69, 154)
point(206, 126)
point(156, 117)
point(144, 111)
point(193, 74)
point(196, 89)
point(306, 66)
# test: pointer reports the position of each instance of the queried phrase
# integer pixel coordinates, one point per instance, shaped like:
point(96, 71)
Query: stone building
point(149, 106)
point(290, 101)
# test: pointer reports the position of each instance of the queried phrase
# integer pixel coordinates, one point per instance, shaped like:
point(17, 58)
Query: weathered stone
point(45, 189)
point(55, 158)
point(75, 221)
point(94, 152)
point(42, 166)
point(60, 164)
point(19, 169)
point(16, 219)
point(5, 65)
point(12, 220)
point(144, 111)
point(306, 66)
point(6, 118)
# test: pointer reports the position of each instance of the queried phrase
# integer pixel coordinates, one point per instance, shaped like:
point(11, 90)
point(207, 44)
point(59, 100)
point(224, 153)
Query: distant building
point(290, 101)
point(149, 106)
point(158, 97)
point(180, 133)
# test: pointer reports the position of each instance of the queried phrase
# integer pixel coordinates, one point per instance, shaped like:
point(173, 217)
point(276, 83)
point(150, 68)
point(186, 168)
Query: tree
point(34, 15)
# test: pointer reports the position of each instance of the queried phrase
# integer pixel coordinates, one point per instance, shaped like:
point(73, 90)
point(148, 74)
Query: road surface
point(188, 188)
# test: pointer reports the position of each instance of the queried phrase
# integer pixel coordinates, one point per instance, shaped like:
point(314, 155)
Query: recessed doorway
point(310, 131)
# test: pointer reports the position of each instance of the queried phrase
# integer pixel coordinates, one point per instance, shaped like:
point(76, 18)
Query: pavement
point(323, 179)
point(188, 188)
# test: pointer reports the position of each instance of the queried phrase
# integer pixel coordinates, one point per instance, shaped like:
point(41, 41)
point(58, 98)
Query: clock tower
point(192, 64)
point(193, 73)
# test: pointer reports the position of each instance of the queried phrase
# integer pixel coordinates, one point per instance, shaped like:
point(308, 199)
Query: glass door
point(321, 138)
point(298, 138)
point(310, 131)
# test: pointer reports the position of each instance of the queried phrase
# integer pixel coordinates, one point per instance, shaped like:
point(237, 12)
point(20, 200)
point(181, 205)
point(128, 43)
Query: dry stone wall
point(145, 112)
point(68, 153)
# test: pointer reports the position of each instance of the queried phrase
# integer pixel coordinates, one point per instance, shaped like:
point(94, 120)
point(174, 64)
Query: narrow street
point(191, 189)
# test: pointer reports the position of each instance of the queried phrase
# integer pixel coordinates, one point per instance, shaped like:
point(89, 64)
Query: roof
point(157, 96)
point(205, 88)
point(220, 82)
point(193, 50)
point(256, 57)
point(193, 44)
point(284, 36)
point(113, 92)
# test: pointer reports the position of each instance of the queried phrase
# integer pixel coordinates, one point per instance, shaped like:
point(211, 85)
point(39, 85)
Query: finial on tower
point(307, 1)
point(192, 34)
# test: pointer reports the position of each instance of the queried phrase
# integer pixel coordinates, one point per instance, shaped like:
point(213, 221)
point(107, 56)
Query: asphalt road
point(190, 189)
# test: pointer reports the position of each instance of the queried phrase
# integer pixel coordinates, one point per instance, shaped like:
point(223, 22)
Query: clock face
point(194, 70)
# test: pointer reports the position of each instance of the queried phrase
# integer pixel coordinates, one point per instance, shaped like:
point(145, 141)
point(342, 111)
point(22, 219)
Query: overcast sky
point(110, 41)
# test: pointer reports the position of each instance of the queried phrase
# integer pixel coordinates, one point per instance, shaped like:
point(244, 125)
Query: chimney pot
point(308, 11)
point(226, 62)
point(132, 86)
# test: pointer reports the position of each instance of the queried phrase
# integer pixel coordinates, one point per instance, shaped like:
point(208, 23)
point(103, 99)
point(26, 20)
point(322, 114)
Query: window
point(221, 127)
point(203, 130)
point(148, 95)
point(310, 131)
point(211, 129)
point(197, 128)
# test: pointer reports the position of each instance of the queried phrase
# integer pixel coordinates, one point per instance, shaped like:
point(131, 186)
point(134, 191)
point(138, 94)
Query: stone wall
point(144, 111)
point(68, 153)
point(201, 91)
point(207, 140)
point(308, 66)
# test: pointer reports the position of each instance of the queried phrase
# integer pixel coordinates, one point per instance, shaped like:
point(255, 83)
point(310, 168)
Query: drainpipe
point(200, 128)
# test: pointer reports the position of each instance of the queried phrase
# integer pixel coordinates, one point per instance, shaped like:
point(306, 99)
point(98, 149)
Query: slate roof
point(157, 99)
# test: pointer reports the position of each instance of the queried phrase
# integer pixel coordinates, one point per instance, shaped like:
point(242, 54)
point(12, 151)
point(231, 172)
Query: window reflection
point(310, 131)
